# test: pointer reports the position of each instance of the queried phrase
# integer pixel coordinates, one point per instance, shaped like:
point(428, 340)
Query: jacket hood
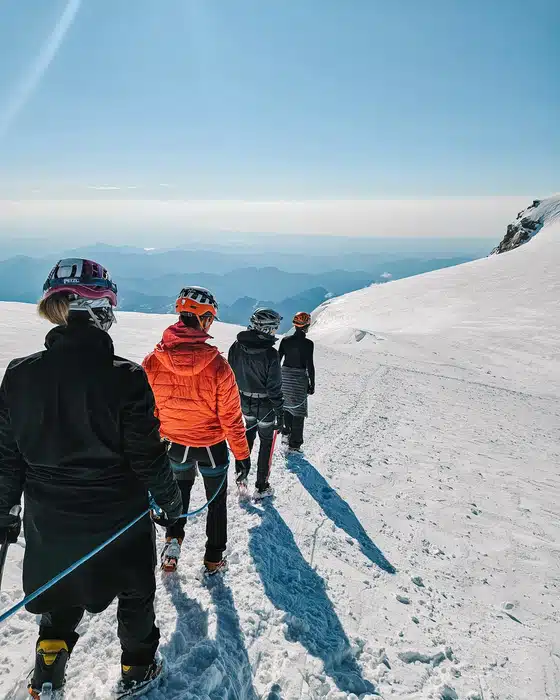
point(81, 337)
point(253, 342)
point(184, 350)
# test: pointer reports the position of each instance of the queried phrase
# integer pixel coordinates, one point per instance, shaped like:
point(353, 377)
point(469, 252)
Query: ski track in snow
point(412, 553)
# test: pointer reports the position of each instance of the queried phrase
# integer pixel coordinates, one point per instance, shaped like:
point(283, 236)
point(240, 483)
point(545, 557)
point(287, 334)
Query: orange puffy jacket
point(197, 399)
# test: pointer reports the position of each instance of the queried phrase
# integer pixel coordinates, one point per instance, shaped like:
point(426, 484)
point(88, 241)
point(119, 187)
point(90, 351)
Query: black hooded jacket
point(79, 438)
point(256, 365)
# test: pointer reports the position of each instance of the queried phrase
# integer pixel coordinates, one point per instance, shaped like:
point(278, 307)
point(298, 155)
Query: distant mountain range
point(149, 281)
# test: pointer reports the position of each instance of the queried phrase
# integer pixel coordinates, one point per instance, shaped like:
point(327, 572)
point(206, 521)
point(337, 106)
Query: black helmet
point(265, 321)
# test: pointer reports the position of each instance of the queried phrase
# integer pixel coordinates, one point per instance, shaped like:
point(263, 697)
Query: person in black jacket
point(255, 363)
point(298, 379)
point(79, 439)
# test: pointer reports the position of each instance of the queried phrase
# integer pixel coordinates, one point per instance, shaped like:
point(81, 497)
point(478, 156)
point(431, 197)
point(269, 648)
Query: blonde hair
point(55, 309)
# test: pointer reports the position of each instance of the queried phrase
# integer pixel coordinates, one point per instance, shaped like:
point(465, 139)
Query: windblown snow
point(414, 551)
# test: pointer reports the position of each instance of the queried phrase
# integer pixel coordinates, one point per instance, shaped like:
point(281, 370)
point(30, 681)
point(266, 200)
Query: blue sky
point(280, 99)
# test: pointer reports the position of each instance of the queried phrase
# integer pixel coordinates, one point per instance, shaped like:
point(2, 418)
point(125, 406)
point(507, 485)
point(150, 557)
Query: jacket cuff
point(243, 454)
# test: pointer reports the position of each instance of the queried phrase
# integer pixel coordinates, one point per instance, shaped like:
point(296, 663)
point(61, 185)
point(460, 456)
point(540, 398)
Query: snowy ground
point(432, 451)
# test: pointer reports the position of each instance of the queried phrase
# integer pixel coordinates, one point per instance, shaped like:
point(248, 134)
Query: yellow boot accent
point(126, 669)
point(49, 648)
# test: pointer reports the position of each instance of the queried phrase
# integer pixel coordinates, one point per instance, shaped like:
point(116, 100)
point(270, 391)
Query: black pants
point(208, 460)
point(259, 418)
point(266, 439)
point(293, 427)
point(137, 631)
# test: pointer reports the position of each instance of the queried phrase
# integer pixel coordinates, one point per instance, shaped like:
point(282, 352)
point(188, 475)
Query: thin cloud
point(105, 188)
point(40, 66)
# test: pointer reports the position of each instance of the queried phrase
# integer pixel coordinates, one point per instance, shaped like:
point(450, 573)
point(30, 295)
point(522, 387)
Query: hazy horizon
point(170, 222)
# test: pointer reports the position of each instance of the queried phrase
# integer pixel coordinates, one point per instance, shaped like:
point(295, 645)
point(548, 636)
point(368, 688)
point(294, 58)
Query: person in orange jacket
point(198, 406)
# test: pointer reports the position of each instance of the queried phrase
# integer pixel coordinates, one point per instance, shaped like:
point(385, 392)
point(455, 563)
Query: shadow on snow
point(336, 509)
point(198, 666)
point(293, 586)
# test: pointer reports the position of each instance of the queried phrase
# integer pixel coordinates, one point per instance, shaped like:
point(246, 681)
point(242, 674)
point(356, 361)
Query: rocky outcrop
point(527, 224)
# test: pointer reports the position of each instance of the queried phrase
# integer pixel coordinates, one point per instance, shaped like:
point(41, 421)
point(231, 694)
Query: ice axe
point(10, 537)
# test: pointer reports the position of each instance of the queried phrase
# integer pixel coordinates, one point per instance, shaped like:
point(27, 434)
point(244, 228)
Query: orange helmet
point(199, 302)
point(302, 319)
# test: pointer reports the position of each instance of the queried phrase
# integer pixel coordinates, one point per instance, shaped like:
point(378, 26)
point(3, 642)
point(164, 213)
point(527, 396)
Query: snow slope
point(499, 315)
point(413, 552)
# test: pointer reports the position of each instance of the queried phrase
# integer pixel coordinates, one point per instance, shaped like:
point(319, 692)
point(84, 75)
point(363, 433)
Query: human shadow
point(336, 508)
point(198, 666)
point(229, 639)
point(293, 586)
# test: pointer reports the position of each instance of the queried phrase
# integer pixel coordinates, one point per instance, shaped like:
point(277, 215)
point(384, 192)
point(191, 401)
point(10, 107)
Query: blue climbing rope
point(286, 408)
point(45, 587)
point(191, 513)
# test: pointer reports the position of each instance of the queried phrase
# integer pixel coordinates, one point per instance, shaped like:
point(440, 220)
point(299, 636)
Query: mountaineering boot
point(134, 678)
point(171, 553)
point(296, 450)
point(261, 492)
point(211, 568)
point(243, 490)
point(50, 666)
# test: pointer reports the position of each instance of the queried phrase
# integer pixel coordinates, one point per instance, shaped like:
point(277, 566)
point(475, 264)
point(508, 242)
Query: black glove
point(242, 468)
point(311, 389)
point(167, 514)
point(278, 420)
point(10, 533)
